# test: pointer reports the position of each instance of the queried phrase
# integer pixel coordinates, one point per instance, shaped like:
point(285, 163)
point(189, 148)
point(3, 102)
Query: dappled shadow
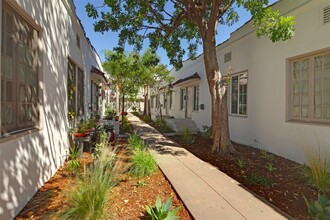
point(28, 160)
point(154, 139)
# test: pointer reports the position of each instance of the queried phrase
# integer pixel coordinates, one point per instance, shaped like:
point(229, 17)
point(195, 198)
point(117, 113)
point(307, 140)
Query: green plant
point(207, 131)
point(320, 208)
point(259, 180)
point(162, 125)
point(135, 142)
point(109, 112)
point(142, 164)
point(73, 165)
point(240, 163)
point(187, 136)
point(141, 183)
point(162, 211)
point(267, 156)
point(126, 126)
point(147, 118)
point(270, 167)
point(317, 169)
point(88, 199)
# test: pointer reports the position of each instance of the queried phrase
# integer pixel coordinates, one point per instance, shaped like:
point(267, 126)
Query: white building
point(279, 94)
point(48, 67)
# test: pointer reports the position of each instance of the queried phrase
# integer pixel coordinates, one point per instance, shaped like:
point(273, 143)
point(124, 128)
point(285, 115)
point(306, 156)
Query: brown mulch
point(290, 184)
point(128, 198)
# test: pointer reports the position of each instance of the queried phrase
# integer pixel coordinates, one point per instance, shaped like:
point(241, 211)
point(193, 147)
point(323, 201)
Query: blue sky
point(109, 40)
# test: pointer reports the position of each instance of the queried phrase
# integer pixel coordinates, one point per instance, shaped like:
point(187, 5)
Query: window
point(152, 100)
point(78, 41)
point(238, 96)
point(227, 57)
point(171, 99)
point(164, 99)
point(75, 89)
point(94, 96)
point(157, 101)
point(19, 73)
point(182, 98)
point(309, 88)
point(196, 98)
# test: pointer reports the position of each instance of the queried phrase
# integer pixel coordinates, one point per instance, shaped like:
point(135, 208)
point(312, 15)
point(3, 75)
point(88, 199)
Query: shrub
point(135, 142)
point(259, 180)
point(126, 126)
point(317, 169)
point(88, 200)
point(147, 118)
point(319, 209)
point(73, 165)
point(109, 112)
point(143, 164)
point(162, 125)
point(162, 211)
point(207, 131)
point(187, 137)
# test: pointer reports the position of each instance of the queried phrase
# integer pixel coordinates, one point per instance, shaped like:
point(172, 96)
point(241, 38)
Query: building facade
point(279, 93)
point(49, 70)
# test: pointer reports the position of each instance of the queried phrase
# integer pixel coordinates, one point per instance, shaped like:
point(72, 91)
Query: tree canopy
point(167, 23)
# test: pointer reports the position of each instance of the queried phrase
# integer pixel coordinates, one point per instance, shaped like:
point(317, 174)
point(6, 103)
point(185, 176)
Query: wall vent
point(326, 14)
point(228, 57)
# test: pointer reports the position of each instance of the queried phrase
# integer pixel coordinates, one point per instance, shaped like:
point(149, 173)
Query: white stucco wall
point(266, 125)
point(201, 117)
point(29, 159)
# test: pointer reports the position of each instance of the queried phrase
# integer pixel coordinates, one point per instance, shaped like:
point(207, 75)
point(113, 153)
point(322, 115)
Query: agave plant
point(320, 208)
point(163, 211)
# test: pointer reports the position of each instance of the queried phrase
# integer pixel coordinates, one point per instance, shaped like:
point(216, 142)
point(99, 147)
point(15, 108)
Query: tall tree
point(124, 70)
point(168, 22)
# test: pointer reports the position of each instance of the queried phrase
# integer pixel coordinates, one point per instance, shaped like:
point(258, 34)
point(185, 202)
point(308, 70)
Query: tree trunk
point(123, 107)
point(145, 109)
point(117, 99)
point(220, 127)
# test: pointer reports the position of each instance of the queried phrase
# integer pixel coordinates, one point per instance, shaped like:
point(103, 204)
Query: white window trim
point(195, 110)
point(230, 92)
point(310, 119)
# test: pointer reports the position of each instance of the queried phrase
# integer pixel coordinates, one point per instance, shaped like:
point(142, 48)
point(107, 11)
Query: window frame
point(238, 114)
point(182, 98)
point(310, 119)
point(196, 98)
point(29, 44)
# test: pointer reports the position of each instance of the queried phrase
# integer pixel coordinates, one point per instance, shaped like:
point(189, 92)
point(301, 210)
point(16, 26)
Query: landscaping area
point(121, 181)
point(128, 181)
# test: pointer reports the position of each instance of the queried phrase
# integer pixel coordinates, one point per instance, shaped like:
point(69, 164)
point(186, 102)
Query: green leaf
point(318, 206)
point(158, 203)
point(167, 205)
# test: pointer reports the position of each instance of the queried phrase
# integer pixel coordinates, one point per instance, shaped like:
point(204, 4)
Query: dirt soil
point(289, 183)
point(128, 198)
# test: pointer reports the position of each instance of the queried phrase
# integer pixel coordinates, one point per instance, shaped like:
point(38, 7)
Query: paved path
point(207, 192)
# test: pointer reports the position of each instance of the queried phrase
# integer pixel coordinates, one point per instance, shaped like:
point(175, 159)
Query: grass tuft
point(317, 169)
point(143, 164)
point(88, 199)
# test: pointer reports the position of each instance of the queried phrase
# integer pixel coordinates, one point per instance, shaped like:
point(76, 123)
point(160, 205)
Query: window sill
point(315, 123)
point(18, 134)
point(238, 116)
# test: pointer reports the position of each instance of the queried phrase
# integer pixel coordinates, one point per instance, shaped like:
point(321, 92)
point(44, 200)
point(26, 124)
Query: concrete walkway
point(207, 192)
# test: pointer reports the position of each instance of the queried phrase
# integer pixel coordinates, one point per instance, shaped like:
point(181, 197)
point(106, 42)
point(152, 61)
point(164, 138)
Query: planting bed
point(128, 198)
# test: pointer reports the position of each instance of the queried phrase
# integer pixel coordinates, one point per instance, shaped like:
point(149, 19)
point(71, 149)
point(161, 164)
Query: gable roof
point(189, 78)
